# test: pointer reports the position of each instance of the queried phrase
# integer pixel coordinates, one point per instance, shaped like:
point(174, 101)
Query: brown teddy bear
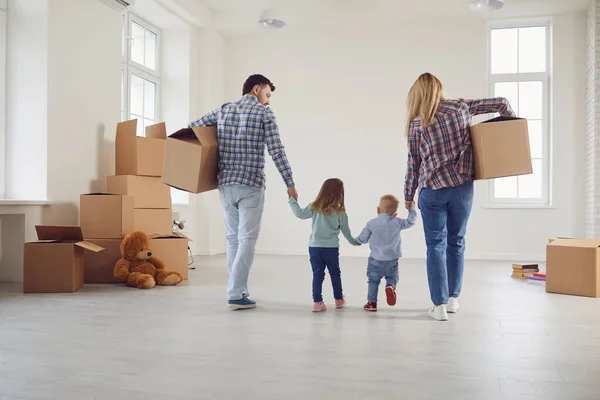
point(138, 268)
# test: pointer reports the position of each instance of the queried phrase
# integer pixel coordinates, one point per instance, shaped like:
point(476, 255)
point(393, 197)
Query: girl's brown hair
point(330, 198)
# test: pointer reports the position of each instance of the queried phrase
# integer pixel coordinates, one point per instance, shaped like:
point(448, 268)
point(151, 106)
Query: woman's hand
point(409, 205)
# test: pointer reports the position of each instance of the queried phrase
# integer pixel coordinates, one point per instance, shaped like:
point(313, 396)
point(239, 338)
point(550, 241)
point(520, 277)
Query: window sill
point(181, 204)
point(519, 207)
point(10, 202)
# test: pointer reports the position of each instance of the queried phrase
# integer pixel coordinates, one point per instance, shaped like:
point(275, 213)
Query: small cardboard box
point(573, 267)
point(191, 160)
point(54, 264)
point(153, 221)
point(99, 267)
point(106, 216)
point(172, 250)
point(147, 192)
point(501, 148)
point(137, 155)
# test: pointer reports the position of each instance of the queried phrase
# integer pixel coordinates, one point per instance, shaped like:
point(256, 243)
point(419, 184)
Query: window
point(519, 70)
point(3, 34)
point(140, 74)
point(140, 79)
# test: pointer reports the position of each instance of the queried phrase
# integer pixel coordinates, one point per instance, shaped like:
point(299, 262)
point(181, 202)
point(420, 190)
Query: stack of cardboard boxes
point(135, 199)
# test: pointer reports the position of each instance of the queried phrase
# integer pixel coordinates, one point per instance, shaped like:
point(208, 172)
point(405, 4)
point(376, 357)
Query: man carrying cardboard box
point(244, 128)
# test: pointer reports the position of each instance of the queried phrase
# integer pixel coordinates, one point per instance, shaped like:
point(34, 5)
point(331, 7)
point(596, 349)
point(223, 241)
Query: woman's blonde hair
point(423, 99)
point(330, 198)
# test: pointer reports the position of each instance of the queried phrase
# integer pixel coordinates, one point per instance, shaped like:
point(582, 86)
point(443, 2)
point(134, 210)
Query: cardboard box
point(54, 264)
point(501, 148)
point(99, 267)
point(573, 267)
point(137, 155)
point(106, 216)
point(147, 192)
point(153, 221)
point(191, 160)
point(172, 250)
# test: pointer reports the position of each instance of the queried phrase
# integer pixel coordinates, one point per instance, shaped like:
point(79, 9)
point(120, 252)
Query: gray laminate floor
point(510, 340)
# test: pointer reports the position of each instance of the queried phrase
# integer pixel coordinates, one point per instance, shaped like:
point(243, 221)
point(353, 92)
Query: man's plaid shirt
point(244, 128)
point(441, 154)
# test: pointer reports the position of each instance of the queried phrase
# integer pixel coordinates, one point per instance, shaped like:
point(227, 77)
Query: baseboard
point(516, 257)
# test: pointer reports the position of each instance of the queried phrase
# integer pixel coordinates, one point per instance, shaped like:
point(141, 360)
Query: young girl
point(328, 219)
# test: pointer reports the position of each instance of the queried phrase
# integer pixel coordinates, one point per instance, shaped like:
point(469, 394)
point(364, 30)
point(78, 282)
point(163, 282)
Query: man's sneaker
point(453, 305)
point(390, 294)
point(318, 307)
point(242, 303)
point(439, 313)
point(341, 302)
point(370, 306)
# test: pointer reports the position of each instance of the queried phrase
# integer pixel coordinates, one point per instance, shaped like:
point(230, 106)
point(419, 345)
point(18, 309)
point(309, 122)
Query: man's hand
point(292, 192)
point(409, 205)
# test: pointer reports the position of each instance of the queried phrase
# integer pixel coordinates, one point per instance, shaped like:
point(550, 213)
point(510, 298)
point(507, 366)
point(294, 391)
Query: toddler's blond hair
point(388, 204)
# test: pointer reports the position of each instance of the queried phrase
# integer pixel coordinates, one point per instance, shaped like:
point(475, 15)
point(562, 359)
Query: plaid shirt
point(441, 155)
point(244, 128)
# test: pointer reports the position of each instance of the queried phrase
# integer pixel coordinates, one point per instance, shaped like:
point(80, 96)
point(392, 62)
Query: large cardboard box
point(172, 250)
point(106, 216)
point(99, 267)
point(191, 160)
point(54, 263)
point(147, 192)
point(501, 148)
point(153, 221)
point(137, 155)
point(573, 267)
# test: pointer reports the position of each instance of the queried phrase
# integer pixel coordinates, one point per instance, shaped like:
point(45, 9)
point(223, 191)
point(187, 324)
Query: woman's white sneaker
point(453, 305)
point(439, 313)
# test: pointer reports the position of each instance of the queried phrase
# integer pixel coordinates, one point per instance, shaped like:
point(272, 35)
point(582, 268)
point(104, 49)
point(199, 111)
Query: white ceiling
point(241, 16)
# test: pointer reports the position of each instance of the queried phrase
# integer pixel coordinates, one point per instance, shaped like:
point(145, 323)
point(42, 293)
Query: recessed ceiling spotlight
point(270, 20)
point(486, 5)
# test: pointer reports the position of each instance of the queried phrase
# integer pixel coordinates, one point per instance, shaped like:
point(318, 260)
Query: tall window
point(140, 74)
point(3, 18)
point(519, 69)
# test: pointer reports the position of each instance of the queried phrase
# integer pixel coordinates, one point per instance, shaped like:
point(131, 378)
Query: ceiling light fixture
point(486, 5)
point(269, 20)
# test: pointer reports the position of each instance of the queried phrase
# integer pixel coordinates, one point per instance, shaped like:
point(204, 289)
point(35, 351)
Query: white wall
point(84, 101)
point(27, 100)
point(340, 107)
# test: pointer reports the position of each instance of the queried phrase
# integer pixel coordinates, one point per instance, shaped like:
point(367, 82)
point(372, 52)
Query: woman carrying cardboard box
point(440, 163)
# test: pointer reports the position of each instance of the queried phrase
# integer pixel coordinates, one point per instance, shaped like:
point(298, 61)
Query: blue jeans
point(445, 214)
point(377, 270)
point(321, 258)
point(242, 208)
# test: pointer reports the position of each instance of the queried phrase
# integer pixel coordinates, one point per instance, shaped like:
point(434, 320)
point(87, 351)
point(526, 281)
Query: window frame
point(545, 201)
point(3, 87)
point(130, 67)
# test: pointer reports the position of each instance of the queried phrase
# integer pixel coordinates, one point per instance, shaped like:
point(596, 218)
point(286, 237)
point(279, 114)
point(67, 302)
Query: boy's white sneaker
point(453, 305)
point(439, 313)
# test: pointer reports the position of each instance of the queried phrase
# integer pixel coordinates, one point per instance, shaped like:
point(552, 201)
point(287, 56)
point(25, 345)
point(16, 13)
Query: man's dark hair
point(254, 80)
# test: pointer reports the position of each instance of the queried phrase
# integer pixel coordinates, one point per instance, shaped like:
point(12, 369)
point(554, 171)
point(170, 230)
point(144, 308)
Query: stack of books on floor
point(522, 271)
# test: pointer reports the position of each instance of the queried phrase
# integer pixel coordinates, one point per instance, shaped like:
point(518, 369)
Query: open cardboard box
point(191, 160)
point(501, 148)
point(136, 155)
point(54, 263)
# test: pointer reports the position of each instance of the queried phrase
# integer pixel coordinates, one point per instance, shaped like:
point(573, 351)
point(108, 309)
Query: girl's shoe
point(370, 306)
point(318, 307)
point(341, 302)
